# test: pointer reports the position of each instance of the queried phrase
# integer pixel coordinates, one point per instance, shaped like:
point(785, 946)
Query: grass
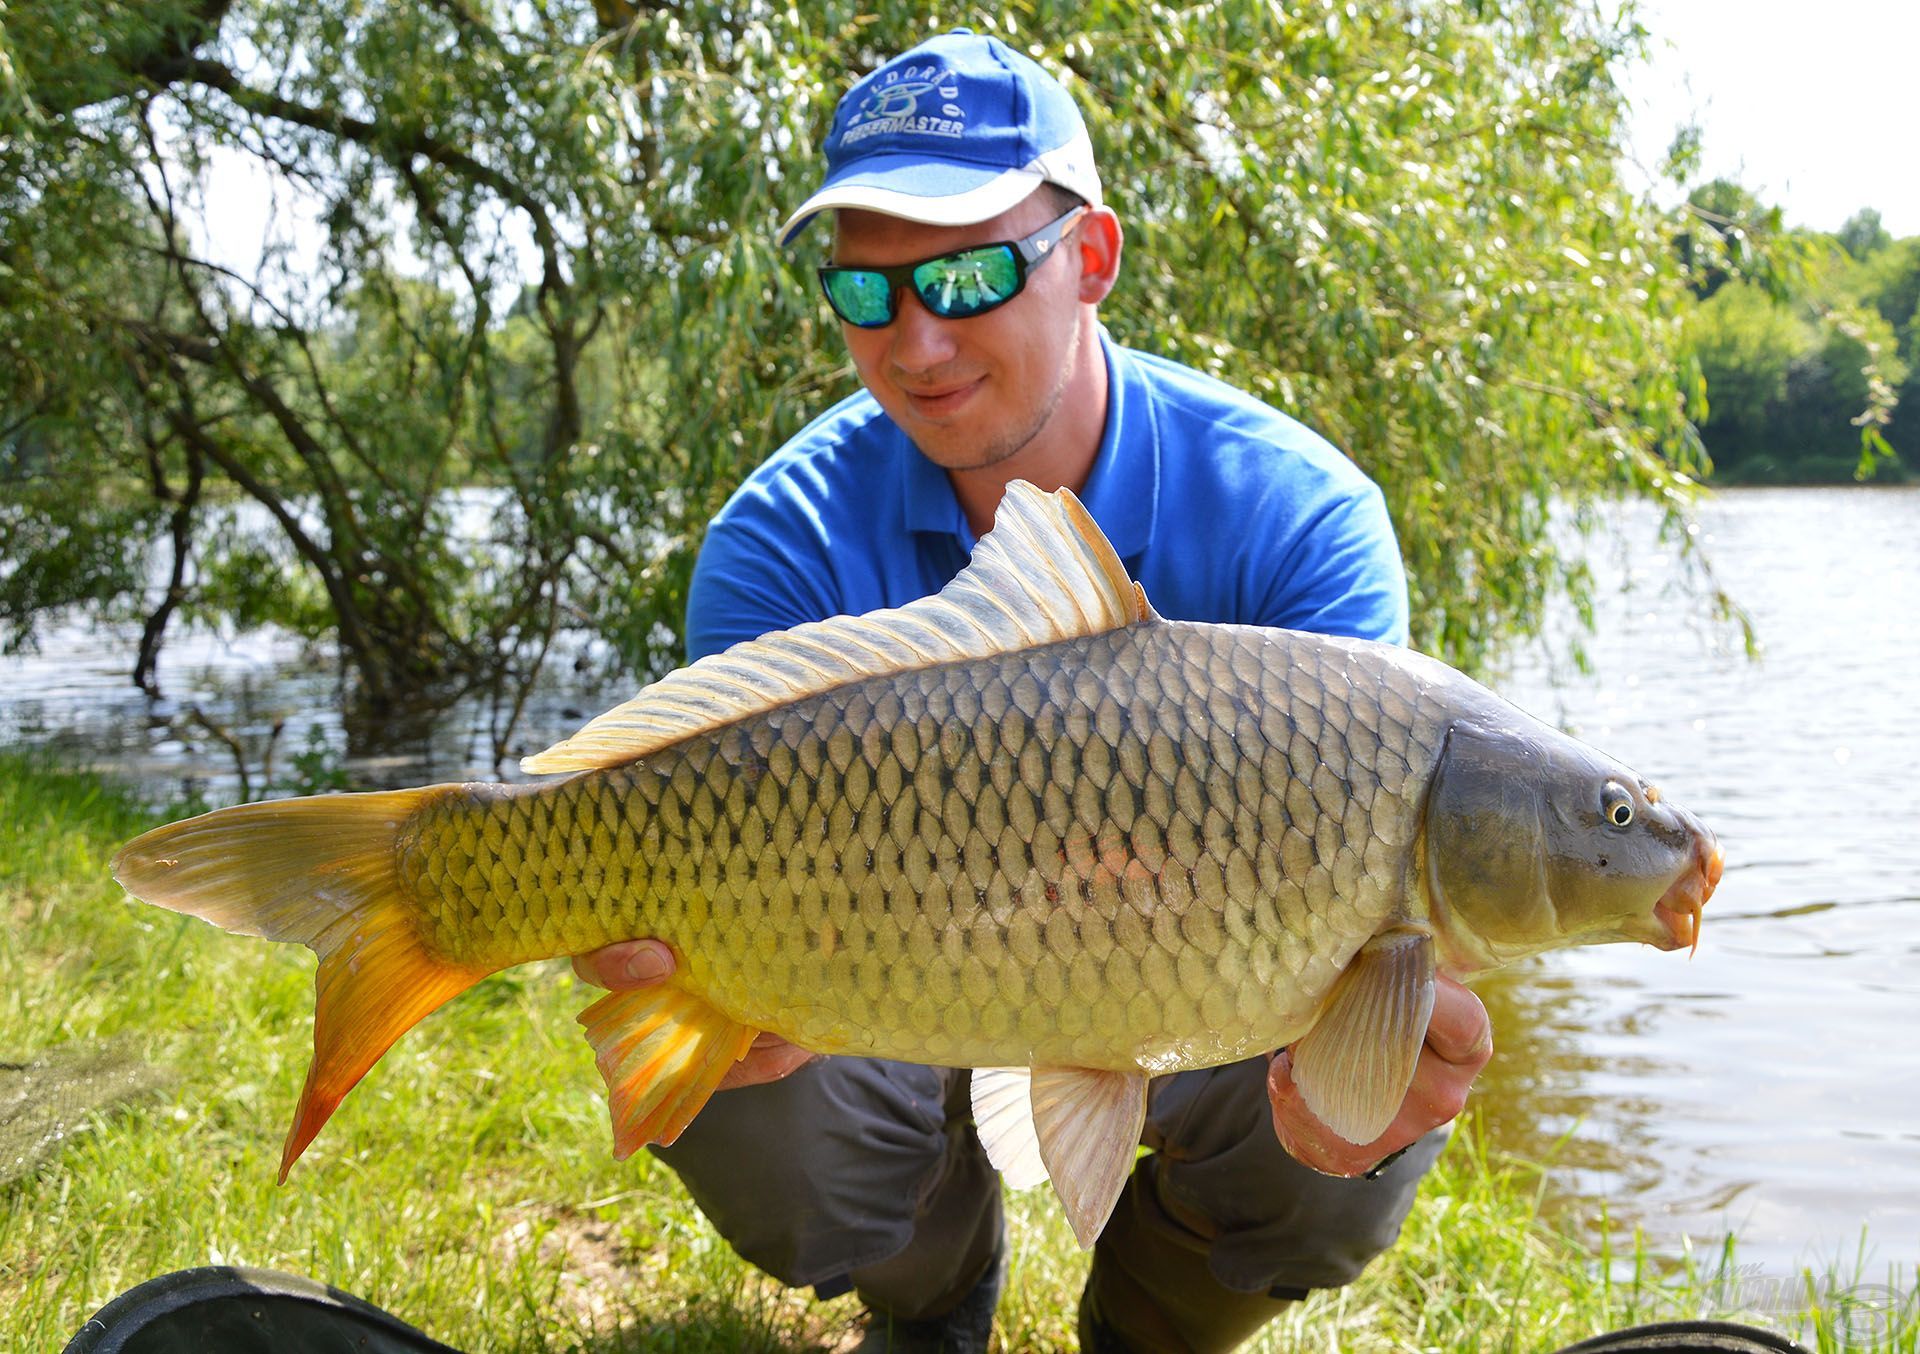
point(468, 1187)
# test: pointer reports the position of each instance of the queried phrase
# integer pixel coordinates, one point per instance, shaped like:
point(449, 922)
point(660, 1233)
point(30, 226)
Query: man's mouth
point(939, 401)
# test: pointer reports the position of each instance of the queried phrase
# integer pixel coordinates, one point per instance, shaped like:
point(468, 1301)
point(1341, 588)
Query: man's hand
point(1459, 1042)
point(633, 964)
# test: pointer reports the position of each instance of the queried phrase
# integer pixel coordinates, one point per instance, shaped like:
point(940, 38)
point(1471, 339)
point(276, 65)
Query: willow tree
point(528, 247)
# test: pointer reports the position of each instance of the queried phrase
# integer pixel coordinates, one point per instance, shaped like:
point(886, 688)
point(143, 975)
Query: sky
point(1809, 105)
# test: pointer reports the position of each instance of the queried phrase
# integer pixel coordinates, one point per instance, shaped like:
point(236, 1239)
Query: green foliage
point(1731, 234)
point(1810, 370)
point(541, 262)
point(1862, 234)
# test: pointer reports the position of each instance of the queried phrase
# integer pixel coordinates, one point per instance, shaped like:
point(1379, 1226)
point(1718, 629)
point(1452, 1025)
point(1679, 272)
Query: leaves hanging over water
point(529, 249)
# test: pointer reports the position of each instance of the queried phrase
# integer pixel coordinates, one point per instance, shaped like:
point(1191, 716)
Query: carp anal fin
point(663, 1053)
point(1043, 574)
point(1086, 1127)
point(1003, 1117)
point(1354, 1066)
point(318, 872)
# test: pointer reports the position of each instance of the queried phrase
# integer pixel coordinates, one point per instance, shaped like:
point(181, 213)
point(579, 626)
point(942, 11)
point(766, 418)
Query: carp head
point(1535, 841)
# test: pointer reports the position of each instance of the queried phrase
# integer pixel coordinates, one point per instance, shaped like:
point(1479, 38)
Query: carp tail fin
point(319, 872)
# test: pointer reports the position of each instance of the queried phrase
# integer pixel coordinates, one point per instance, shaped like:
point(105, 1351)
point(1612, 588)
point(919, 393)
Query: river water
point(1768, 1087)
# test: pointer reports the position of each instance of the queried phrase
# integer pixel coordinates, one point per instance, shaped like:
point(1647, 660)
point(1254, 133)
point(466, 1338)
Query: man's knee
point(1268, 1223)
point(817, 1174)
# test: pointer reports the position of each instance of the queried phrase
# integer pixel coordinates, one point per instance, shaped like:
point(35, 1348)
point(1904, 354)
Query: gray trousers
point(862, 1174)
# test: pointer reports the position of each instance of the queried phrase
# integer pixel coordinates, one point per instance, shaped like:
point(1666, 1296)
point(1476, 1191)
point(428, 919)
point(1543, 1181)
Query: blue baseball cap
point(955, 131)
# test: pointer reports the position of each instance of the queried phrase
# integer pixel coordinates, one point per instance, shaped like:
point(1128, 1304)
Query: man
point(970, 253)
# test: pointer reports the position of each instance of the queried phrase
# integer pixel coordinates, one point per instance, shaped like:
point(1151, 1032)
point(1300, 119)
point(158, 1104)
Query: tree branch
point(394, 141)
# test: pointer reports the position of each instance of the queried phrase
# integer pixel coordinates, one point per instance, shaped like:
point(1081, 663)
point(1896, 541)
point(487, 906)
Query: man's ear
point(1098, 240)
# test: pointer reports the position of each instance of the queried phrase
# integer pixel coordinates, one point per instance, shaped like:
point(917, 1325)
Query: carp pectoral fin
point(1088, 1124)
point(321, 873)
point(663, 1052)
point(1003, 1117)
point(1354, 1066)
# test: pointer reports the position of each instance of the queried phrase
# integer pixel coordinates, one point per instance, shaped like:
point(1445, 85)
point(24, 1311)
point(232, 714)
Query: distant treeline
point(1808, 344)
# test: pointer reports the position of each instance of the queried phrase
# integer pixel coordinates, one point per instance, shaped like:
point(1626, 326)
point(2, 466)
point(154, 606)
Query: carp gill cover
point(1026, 826)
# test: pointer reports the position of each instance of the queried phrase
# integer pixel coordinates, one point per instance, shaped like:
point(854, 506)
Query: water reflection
point(1536, 1099)
point(266, 701)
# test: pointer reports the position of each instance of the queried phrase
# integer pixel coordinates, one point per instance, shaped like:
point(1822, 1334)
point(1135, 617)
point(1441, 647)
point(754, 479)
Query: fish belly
point(1153, 848)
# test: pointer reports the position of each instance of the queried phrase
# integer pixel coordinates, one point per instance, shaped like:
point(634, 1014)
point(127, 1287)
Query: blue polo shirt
point(1225, 510)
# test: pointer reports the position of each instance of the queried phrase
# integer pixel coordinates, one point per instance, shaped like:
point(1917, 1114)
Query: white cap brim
point(874, 189)
point(958, 209)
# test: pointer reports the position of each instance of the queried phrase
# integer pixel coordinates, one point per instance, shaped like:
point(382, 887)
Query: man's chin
point(960, 451)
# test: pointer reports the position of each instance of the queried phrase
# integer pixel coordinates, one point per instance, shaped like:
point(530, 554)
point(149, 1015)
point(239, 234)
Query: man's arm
point(1339, 571)
point(751, 579)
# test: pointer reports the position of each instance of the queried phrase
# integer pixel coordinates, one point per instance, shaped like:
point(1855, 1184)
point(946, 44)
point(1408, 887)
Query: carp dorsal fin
point(1043, 574)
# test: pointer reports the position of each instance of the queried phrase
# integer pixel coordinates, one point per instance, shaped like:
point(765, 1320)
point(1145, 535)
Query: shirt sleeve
point(755, 574)
point(1343, 574)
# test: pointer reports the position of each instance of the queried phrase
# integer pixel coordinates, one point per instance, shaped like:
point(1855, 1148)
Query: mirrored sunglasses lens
point(861, 298)
point(968, 283)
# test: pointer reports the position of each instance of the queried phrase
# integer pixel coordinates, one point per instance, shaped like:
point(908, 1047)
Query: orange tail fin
point(321, 873)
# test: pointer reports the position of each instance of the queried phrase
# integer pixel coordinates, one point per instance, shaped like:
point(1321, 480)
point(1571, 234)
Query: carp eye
point(1616, 805)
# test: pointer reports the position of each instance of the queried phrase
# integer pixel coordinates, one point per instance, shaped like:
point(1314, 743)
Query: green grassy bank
point(467, 1184)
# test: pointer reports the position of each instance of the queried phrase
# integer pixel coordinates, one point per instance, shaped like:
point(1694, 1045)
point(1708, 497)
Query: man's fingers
point(1306, 1139)
point(1459, 1042)
point(1459, 1030)
point(625, 965)
point(769, 1059)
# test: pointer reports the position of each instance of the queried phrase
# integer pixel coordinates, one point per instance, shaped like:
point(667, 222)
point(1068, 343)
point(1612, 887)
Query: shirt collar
point(1122, 492)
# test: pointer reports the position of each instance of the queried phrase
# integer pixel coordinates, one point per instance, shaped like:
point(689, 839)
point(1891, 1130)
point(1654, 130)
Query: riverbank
point(467, 1185)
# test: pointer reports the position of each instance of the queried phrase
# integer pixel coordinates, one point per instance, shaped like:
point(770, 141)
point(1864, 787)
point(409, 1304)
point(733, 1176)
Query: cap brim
point(915, 189)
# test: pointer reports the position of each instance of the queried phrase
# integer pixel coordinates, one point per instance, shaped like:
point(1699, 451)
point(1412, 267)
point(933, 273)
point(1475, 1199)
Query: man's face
point(970, 392)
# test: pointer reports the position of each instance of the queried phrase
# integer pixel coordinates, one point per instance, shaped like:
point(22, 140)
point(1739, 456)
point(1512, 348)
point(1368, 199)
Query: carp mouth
point(1679, 907)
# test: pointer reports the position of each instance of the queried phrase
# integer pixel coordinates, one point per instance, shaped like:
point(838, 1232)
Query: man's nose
point(921, 339)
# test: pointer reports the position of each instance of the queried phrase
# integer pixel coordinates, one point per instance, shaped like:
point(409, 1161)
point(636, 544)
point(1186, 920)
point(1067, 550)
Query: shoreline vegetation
point(469, 1188)
point(1807, 344)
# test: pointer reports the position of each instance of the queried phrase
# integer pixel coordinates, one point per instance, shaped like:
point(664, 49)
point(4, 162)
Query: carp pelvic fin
point(320, 872)
point(1082, 1125)
point(1043, 574)
point(663, 1053)
point(1354, 1066)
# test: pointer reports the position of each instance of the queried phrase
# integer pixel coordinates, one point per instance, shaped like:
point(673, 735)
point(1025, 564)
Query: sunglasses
point(952, 286)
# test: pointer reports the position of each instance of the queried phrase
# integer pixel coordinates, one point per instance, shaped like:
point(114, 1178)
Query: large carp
point(1025, 825)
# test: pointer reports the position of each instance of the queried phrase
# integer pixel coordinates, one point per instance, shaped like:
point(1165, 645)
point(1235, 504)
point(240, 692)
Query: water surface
point(1770, 1086)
